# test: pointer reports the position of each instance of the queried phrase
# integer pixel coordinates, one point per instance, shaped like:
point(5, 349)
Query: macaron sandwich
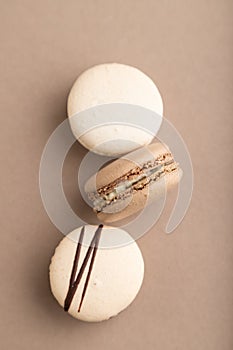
point(133, 181)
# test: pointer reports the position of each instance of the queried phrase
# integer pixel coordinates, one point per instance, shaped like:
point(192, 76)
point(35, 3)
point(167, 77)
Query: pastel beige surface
point(115, 280)
point(186, 301)
point(112, 83)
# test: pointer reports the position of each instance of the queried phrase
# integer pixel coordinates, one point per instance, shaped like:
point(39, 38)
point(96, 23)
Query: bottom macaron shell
point(114, 283)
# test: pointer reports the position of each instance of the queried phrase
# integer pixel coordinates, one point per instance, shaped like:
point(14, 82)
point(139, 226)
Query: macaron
point(130, 183)
point(112, 83)
point(91, 283)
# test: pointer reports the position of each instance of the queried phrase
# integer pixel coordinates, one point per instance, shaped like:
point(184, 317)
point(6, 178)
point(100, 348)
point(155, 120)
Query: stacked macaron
point(94, 283)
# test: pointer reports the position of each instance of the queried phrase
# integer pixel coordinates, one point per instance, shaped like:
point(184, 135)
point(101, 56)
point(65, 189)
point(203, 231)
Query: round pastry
point(133, 181)
point(91, 283)
point(107, 84)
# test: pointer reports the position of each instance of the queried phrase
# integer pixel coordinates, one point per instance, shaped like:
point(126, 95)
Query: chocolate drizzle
point(73, 285)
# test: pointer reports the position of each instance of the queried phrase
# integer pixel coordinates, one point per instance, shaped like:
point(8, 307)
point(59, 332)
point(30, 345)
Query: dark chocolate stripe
point(76, 259)
point(90, 267)
point(74, 283)
point(70, 295)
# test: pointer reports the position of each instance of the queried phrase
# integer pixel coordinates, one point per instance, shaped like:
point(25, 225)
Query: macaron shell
point(115, 280)
point(113, 83)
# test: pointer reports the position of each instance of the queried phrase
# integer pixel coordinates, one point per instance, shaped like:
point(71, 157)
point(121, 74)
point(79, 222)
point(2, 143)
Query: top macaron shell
point(106, 84)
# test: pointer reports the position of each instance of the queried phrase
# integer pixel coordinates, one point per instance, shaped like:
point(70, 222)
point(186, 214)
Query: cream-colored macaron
point(112, 278)
point(108, 84)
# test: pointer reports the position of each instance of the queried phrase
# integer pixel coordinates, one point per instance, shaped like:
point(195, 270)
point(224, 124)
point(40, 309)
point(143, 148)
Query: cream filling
point(135, 180)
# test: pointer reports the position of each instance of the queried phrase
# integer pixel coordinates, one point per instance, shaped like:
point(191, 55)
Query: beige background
point(186, 301)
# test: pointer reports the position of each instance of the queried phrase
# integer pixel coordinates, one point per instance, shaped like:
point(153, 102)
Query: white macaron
point(92, 283)
point(113, 83)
